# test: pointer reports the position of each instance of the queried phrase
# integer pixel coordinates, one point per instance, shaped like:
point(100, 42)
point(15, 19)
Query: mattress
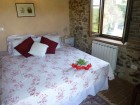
point(51, 80)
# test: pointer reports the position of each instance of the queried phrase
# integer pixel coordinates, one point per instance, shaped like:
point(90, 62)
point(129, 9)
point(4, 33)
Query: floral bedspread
point(49, 80)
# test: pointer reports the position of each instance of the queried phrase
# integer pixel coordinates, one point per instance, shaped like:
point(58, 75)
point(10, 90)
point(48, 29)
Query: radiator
point(105, 52)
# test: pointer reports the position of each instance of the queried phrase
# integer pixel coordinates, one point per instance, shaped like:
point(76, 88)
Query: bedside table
point(69, 41)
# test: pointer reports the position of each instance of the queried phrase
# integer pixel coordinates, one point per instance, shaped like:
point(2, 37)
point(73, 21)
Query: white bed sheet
point(51, 80)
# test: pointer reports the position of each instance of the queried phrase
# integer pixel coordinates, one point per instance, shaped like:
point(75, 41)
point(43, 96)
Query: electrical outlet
point(134, 67)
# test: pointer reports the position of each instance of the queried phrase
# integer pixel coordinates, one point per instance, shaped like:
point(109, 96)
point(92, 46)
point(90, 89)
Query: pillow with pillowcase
point(36, 38)
point(12, 38)
point(38, 49)
point(18, 40)
point(54, 37)
point(14, 44)
point(52, 45)
point(24, 47)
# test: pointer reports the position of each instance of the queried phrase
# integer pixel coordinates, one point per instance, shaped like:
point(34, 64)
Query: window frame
point(128, 17)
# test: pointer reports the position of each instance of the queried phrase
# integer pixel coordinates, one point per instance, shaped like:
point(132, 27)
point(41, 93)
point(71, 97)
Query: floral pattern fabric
point(49, 80)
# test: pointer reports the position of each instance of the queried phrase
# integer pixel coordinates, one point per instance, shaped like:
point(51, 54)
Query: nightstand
point(70, 41)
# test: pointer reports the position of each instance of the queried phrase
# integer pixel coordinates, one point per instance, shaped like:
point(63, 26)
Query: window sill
point(109, 41)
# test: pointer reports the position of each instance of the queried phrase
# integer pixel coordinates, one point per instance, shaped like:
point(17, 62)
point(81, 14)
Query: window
point(96, 16)
point(109, 18)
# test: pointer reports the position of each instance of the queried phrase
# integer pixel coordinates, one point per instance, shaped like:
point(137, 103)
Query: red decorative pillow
point(52, 45)
point(24, 47)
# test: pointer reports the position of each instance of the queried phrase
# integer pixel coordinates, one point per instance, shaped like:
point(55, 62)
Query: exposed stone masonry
point(79, 24)
point(128, 55)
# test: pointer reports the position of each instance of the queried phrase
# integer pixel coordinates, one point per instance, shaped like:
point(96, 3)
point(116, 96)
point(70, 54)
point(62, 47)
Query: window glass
point(95, 15)
point(114, 17)
point(96, 2)
point(95, 20)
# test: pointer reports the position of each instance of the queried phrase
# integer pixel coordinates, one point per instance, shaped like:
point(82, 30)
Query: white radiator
point(105, 52)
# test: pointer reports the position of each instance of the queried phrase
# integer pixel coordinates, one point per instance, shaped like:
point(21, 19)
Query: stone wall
point(79, 24)
point(128, 55)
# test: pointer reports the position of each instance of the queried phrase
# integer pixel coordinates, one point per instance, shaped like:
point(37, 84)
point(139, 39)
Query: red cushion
point(25, 47)
point(52, 45)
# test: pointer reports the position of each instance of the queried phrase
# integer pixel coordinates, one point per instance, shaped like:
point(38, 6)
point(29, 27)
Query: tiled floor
point(120, 92)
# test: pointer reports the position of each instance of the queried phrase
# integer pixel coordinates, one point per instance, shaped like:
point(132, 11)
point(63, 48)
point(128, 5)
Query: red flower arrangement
point(81, 64)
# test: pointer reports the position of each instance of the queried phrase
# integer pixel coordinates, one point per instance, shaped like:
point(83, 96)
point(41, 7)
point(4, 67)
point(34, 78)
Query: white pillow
point(36, 38)
point(55, 38)
point(38, 49)
point(12, 38)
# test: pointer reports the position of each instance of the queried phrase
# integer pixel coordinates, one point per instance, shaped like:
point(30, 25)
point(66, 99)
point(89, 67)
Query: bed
point(51, 80)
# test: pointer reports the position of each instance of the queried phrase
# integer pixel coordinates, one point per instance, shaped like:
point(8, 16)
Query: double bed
point(51, 80)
